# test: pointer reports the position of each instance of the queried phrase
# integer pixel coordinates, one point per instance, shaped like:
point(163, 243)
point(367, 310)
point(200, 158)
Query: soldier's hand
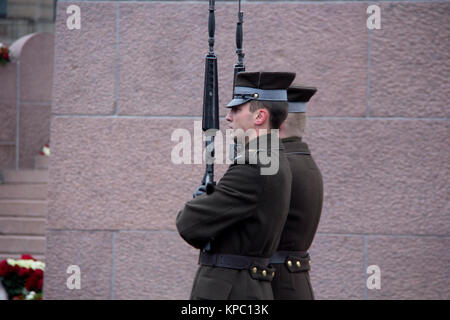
point(199, 191)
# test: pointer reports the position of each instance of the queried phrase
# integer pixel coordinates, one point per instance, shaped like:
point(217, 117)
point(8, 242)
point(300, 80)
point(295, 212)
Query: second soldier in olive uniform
point(238, 226)
point(292, 261)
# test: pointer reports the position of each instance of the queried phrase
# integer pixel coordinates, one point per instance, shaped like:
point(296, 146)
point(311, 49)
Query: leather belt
point(258, 267)
point(231, 261)
point(295, 261)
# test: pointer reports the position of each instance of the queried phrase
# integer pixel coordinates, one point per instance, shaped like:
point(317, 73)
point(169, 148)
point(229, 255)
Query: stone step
point(36, 191)
point(41, 162)
point(16, 256)
point(25, 176)
point(23, 208)
point(22, 244)
point(22, 226)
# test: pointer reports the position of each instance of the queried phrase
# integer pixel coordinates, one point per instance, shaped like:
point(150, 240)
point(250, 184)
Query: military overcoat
point(244, 216)
point(301, 225)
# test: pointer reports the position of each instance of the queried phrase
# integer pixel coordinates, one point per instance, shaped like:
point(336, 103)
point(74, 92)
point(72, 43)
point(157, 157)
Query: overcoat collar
point(294, 144)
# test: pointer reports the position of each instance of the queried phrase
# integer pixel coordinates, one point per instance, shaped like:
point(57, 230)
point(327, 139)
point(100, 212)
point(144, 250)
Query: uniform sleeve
point(235, 198)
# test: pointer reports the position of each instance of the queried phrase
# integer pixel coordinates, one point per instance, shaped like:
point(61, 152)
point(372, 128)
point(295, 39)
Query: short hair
point(278, 111)
point(295, 125)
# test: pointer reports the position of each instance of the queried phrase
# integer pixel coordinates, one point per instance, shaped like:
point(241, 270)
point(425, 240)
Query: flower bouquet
point(5, 56)
point(22, 278)
point(45, 150)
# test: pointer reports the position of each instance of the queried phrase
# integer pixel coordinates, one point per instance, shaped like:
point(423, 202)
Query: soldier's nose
point(229, 117)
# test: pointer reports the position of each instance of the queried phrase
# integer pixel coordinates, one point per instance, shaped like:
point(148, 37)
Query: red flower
point(5, 55)
point(4, 268)
point(24, 272)
point(31, 283)
point(35, 281)
point(14, 269)
point(27, 257)
point(39, 284)
point(39, 273)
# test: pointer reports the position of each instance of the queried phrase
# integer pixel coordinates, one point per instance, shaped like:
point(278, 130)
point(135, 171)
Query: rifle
point(239, 66)
point(210, 119)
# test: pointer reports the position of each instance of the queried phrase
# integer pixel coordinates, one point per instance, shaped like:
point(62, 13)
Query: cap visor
point(236, 102)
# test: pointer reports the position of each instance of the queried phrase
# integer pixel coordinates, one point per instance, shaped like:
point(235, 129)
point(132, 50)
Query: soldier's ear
point(261, 116)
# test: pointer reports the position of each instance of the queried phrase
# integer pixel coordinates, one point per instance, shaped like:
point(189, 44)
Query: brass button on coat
point(254, 270)
point(289, 263)
point(264, 273)
point(298, 264)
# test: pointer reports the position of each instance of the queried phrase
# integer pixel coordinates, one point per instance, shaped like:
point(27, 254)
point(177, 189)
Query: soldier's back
point(292, 279)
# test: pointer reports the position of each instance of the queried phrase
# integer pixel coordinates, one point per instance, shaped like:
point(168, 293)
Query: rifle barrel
point(239, 66)
point(210, 119)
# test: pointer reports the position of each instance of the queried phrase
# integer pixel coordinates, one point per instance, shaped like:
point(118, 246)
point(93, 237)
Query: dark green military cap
point(298, 95)
point(263, 86)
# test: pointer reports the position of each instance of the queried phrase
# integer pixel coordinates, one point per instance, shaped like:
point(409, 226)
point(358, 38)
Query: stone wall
point(378, 128)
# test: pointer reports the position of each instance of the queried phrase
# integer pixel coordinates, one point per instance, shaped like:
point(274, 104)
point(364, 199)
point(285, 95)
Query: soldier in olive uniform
point(292, 261)
point(238, 226)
